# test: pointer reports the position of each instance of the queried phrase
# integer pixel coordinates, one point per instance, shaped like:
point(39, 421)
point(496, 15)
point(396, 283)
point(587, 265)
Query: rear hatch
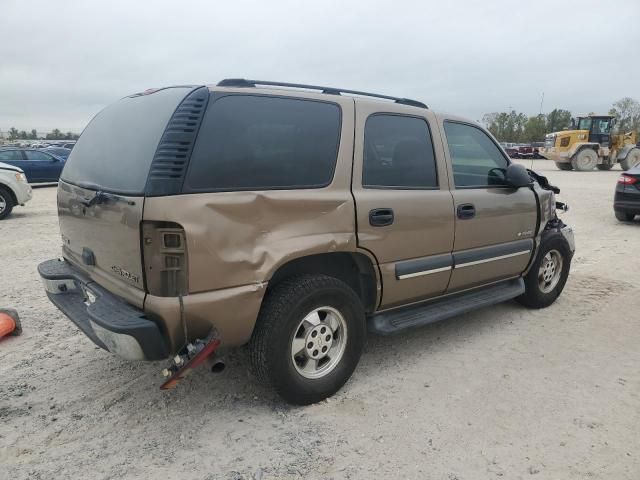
point(102, 189)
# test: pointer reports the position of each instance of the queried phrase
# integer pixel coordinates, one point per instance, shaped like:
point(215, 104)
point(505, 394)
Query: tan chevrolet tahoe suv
point(291, 219)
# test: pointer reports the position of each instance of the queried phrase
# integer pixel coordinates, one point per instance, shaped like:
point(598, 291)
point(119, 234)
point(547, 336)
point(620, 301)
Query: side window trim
point(490, 137)
point(437, 186)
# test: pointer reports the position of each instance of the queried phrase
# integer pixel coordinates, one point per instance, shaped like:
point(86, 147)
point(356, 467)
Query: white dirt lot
point(503, 392)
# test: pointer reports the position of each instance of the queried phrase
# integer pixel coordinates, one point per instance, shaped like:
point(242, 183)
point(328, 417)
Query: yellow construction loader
point(589, 144)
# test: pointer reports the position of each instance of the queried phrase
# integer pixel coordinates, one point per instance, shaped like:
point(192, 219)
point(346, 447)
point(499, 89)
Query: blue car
point(63, 153)
point(38, 166)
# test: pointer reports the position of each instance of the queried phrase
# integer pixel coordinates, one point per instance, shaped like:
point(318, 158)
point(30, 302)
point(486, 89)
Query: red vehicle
point(524, 151)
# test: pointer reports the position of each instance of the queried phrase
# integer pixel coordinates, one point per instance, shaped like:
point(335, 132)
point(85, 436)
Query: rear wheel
point(564, 166)
point(308, 338)
point(632, 160)
point(604, 166)
point(585, 160)
point(624, 216)
point(548, 274)
point(6, 203)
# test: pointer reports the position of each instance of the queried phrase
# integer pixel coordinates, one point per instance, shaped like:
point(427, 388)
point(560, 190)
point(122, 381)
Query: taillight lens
point(165, 259)
point(627, 180)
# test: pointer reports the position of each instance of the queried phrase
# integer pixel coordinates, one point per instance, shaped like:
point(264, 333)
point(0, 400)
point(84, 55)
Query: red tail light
point(627, 180)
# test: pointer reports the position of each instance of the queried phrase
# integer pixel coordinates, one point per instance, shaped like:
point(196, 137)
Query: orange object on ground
point(9, 323)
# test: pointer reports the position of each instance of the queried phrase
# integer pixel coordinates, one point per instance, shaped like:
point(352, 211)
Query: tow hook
point(181, 365)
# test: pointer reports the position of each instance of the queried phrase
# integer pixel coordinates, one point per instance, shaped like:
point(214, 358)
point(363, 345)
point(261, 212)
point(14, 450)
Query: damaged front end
point(548, 206)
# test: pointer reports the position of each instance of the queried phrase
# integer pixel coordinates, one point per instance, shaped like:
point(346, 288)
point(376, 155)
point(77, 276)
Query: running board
point(417, 315)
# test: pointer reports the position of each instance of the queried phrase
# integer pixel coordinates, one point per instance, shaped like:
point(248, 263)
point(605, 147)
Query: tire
point(6, 203)
point(564, 166)
point(585, 160)
point(535, 296)
point(624, 216)
point(604, 166)
point(632, 159)
point(282, 322)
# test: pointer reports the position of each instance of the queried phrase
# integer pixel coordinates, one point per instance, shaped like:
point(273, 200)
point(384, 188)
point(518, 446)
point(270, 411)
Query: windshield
point(584, 123)
point(116, 149)
point(601, 125)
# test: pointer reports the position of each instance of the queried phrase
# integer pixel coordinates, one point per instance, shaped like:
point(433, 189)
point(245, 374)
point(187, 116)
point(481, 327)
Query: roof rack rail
point(241, 82)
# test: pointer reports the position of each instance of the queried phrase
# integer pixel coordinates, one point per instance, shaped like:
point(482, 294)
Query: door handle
point(466, 211)
point(381, 217)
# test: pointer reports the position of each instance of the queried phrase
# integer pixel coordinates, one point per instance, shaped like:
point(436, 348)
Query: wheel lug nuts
point(324, 349)
point(322, 330)
point(327, 338)
point(315, 353)
point(310, 345)
point(314, 334)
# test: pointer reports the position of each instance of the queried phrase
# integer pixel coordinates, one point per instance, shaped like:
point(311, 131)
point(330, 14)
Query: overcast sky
point(62, 61)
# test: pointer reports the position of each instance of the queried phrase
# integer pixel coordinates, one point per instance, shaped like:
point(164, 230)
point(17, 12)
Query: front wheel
point(548, 274)
point(308, 338)
point(585, 160)
point(6, 203)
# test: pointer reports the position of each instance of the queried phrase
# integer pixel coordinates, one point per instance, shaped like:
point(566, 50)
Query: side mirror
point(517, 176)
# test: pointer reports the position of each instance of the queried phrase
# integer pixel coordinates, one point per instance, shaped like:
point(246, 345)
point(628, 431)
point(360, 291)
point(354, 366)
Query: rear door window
point(251, 142)
point(398, 153)
point(10, 156)
point(477, 161)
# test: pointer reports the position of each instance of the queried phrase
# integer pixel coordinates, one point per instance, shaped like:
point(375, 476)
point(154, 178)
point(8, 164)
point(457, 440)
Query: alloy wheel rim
point(550, 271)
point(3, 204)
point(319, 342)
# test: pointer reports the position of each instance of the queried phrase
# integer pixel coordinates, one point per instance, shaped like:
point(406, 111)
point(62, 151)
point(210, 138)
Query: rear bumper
point(106, 319)
point(627, 207)
point(627, 200)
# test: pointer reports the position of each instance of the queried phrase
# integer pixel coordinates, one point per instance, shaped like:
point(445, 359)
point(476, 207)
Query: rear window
point(115, 151)
point(10, 155)
point(249, 142)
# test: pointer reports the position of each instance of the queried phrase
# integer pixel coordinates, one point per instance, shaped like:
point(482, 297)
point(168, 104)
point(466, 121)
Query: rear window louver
point(172, 156)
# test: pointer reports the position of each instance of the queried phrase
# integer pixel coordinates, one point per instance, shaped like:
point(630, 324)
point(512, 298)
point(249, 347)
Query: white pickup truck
point(14, 189)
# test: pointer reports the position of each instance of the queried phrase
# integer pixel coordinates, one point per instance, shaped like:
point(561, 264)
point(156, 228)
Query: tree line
point(519, 128)
point(55, 134)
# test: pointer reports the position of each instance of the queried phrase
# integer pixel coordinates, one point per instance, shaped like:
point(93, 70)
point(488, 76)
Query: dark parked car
point(38, 165)
point(626, 203)
point(58, 152)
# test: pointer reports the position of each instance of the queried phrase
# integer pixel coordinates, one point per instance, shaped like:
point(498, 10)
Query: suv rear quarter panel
point(237, 240)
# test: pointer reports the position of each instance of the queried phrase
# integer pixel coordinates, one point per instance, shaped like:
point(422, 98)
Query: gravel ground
point(503, 392)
